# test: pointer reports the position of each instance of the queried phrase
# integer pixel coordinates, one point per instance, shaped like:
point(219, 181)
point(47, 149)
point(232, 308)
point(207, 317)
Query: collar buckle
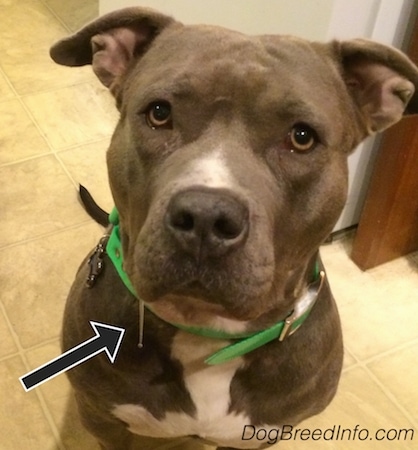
point(287, 328)
point(295, 319)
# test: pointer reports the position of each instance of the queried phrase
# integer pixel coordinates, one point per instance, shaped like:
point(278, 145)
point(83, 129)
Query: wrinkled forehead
point(214, 63)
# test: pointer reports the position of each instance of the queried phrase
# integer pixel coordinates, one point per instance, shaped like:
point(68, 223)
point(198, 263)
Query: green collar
point(246, 342)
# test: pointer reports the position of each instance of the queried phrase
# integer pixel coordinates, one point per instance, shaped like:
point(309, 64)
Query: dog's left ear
point(382, 80)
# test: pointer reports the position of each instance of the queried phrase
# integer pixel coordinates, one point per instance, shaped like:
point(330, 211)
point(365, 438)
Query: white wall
point(305, 18)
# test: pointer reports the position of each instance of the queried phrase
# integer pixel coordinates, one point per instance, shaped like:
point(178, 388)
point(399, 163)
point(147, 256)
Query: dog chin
point(189, 310)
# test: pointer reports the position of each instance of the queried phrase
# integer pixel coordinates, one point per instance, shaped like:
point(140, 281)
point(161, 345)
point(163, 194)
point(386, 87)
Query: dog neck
point(246, 342)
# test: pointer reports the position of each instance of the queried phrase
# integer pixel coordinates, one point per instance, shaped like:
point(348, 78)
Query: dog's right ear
point(111, 43)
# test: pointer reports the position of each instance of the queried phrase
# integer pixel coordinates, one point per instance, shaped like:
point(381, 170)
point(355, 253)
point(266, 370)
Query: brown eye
point(158, 115)
point(302, 138)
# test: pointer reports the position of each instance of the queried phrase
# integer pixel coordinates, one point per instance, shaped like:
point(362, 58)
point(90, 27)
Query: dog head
point(229, 162)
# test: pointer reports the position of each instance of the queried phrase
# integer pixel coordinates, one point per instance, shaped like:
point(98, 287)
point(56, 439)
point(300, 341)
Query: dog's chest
point(209, 388)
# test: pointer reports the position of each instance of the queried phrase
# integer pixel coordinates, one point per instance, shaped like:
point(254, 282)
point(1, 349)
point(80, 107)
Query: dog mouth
point(195, 288)
point(224, 288)
point(198, 291)
point(196, 304)
point(188, 310)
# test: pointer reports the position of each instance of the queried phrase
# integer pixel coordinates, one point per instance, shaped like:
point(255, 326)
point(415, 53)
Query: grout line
point(391, 396)
point(22, 350)
point(45, 410)
point(43, 344)
point(20, 98)
point(54, 151)
point(350, 368)
point(10, 356)
point(385, 389)
point(94, 140)
point(66, 171)
point(9, 83)
point(35, 122)
point(55, 88)
point(50, 419)
point(175, 444)
point(27, 159)
point(27, 110)
point(58, 153)
point(49, 234)
point(356, 364)
point(391, 351)
point(14, 335)
point(56, 15)
point(22, 354)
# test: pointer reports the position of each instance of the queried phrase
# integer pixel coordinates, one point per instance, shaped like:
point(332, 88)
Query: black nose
point(207, 222)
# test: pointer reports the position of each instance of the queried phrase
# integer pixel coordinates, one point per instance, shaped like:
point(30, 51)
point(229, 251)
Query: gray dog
point(228, 169)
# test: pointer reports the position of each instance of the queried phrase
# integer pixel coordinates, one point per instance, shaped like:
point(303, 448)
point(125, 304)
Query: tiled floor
point(55, 124)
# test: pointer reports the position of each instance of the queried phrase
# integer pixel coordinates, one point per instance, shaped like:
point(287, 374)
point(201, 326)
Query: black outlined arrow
point(107, 339)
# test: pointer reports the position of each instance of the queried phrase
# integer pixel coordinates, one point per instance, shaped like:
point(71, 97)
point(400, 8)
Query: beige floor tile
point(35, 288)
point(37, 198)
point(87, 166)
point(22, 421)
point(60, 402)
point(27, 22)
point(346, 279)
point(184, 444)
point(75, 13)
point(19, 136)
point(360, 402)
point(349, 360)
point(30, 69)
point(6, 91)
point(7, 344)
point(74, 115)
point(381, 318)
point(369, 302)
point(399, 372)
point(142, 443)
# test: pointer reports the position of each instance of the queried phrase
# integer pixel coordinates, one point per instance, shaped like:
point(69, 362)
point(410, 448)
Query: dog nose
point(207, 222)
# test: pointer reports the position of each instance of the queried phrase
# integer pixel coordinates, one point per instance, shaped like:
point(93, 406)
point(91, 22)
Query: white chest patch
point(209, 389)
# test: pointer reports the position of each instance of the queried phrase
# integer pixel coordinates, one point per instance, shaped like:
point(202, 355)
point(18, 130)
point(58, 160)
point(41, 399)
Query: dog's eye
point(302, 138)
point(158, 115)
